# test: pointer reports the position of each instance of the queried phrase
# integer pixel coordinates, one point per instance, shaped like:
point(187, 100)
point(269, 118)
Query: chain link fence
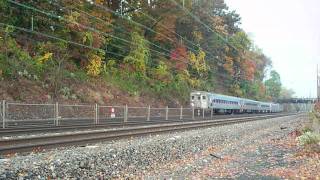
point(17, 115)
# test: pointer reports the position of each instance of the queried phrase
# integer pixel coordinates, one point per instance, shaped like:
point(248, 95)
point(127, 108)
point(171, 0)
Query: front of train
point(199, 100)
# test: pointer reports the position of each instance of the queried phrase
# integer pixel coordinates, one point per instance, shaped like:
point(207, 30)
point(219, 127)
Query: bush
point(308, 138)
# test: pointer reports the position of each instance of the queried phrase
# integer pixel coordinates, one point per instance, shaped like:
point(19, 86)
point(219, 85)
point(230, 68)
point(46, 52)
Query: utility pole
point(318, 84)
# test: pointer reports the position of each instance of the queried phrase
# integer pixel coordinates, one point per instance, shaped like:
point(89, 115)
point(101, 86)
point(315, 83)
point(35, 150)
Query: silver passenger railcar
point(228, 104)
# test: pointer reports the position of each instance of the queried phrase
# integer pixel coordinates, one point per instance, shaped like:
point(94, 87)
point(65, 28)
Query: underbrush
point(310, 138)
point(135, 86)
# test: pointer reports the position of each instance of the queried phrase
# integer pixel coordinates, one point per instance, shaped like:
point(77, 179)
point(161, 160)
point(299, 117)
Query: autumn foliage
point(146, 45)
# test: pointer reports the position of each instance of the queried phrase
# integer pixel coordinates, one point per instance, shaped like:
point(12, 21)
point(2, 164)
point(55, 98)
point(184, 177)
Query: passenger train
point(228, 104)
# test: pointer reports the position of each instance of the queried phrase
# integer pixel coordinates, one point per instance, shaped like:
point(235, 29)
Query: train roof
point(231, 98)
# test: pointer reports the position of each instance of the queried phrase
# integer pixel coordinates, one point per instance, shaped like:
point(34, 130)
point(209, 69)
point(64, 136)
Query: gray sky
point(288, 31)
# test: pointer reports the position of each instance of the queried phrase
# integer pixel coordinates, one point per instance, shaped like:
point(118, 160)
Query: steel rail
point(106, 123)
point(9, 146)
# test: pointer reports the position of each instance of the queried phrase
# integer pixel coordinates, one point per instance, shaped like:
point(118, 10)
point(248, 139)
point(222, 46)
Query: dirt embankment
point(93, 91)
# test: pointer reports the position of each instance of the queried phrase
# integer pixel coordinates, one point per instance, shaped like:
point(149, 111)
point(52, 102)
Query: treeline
point(162, 47)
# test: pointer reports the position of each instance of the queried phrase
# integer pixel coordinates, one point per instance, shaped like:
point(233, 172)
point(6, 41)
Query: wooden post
point(148, 113)
point(57, 114)
point(96, 114)
point(125, 113)
point(4, 114)
point(167, 112)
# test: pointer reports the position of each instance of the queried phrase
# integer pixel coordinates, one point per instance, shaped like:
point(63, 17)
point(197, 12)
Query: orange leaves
point(249, 68)
point(166, 31)
point(180, 57)
point(219, 25)
point(99, 1)
point(228, 65)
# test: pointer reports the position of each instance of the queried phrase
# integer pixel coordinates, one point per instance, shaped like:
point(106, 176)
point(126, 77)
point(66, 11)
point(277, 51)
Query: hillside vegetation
point(138, 51)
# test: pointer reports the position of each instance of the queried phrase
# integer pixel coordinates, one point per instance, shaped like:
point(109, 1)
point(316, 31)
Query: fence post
point(211, 113)
point(3, 114)
point(202, 113)
point(96, 113)
point(181, 111)
point(148, 113)
point(167, 112)
point(57, 114)
point(192, 113)
point(125, 115)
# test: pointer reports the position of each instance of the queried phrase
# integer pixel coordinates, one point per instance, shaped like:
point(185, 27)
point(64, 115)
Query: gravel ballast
point(146, 157)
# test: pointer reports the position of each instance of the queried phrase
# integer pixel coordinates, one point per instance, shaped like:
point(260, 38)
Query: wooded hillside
point(156, 48)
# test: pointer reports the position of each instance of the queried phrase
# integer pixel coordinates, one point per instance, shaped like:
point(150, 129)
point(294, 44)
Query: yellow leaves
point(44, 58)
point(87, 38)
point(94, 66)
point(219, 25)
point(228, 66)
point(197, 35)
point(99, 1)
point(192, 58)
point(73, 17)
point(185, 76)
point(161, 73)
point(198, 62)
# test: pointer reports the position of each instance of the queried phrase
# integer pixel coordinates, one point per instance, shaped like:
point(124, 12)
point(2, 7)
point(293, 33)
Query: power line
point(141, 25)
point(202, 23)
point(83, 26)
point(92, 48)
point(154, 20)
point(90, 28)
point(59, 39)
point(129, 20)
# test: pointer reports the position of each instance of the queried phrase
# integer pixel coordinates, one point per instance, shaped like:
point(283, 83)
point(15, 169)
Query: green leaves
point(139, 54)
point(273, 85)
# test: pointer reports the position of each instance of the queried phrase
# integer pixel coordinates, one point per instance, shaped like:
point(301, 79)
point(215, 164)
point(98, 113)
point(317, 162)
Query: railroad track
point(23, 130)
point(8, 146)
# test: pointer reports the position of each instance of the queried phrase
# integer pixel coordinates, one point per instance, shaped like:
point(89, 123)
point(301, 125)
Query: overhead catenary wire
point(57, 38)
point(92, 48)
point(51, 15)
point(165, 27)
point(139, 24)
point(64, 40)
point(95, 30)
point(81, 25)
point(202, 23)
point(72, 42)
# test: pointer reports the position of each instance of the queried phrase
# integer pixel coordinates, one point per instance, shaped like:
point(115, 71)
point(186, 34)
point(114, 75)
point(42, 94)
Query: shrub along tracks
point(25, 144)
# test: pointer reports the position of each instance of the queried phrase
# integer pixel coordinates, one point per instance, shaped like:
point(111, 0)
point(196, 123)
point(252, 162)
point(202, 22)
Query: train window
point(192, 97)
point(199, 98)
point(203, 97)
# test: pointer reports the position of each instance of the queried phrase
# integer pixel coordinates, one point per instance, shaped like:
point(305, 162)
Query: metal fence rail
point(16, 115)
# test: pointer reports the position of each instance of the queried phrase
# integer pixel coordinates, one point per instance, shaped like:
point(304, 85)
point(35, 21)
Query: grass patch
point(309, 138)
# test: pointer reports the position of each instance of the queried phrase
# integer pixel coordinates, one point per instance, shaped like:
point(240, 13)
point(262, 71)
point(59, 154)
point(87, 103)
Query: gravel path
point(183, 154)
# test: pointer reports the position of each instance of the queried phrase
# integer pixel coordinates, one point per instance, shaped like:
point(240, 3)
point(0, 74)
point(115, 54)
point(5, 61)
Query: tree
point(273, 85)
point(286, 93)
point(138, 57)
